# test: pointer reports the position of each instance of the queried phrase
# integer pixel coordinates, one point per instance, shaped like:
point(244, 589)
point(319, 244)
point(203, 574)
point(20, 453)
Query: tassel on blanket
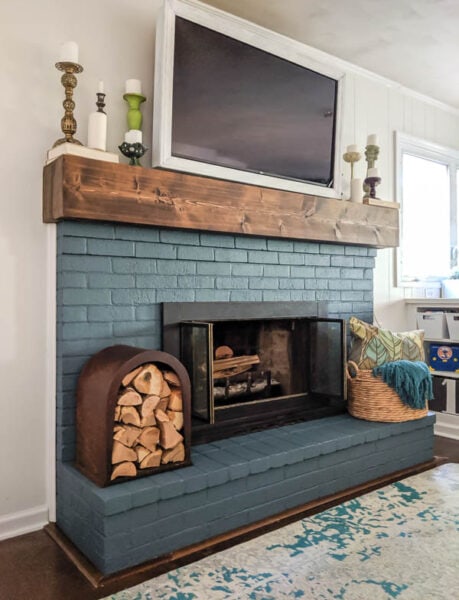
point(410, 379)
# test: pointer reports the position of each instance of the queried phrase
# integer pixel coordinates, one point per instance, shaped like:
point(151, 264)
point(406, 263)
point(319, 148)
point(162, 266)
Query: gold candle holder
point(68, 122)
point(352, 157)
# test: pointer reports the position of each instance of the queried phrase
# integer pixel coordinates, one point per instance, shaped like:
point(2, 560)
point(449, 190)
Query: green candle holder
point(134, 116)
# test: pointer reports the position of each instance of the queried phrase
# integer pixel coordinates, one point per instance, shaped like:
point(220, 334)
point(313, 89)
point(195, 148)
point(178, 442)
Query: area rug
point(400, 541)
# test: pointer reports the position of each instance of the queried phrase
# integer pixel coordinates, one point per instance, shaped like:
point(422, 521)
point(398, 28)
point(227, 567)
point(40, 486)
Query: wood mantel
point(82, 188)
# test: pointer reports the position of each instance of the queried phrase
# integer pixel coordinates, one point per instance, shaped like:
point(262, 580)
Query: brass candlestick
point(352, 157)
point(69, 81)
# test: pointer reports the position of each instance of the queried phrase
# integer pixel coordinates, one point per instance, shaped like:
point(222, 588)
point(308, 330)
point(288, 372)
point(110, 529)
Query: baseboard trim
point(447, 425)
point(24, 521)
point(132, 576)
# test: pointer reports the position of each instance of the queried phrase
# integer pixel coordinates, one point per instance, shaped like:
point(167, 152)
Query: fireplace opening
point(250, 372)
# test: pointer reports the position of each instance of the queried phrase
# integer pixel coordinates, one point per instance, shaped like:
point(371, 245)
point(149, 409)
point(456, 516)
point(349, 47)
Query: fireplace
point(256, 365)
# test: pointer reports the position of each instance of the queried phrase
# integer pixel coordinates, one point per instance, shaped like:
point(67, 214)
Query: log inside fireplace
point(268, 366)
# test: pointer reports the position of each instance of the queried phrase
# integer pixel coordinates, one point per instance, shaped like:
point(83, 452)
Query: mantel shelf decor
point(82, 188)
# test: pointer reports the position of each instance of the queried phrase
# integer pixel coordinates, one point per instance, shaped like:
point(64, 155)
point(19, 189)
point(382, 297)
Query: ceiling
point(412, 42)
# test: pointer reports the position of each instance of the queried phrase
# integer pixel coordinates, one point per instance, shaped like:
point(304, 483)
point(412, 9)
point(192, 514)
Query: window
point(427, 189)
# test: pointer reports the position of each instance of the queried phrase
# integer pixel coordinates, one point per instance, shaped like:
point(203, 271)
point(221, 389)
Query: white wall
point(116, 39)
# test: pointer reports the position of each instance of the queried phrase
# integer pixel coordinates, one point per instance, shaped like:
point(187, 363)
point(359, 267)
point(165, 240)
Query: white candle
point(97, 131)
point(133, 86)
point(133, 136)
point(352, 148)
point(372, 140)
point(69, 52)
point(356, 190)
point(100, 87)
point(373, 172)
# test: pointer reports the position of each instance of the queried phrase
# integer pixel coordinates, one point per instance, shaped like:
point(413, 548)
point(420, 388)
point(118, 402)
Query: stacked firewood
point(148, 429)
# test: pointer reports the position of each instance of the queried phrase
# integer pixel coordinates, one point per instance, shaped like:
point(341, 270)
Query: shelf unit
point(446, 392)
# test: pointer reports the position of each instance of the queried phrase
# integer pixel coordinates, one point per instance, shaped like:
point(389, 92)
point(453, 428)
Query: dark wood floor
point(33, 567)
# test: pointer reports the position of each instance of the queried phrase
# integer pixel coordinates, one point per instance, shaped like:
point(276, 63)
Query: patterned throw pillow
point(372, 346)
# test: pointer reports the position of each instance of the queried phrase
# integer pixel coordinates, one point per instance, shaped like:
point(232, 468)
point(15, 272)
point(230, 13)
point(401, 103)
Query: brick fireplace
point(112, 279)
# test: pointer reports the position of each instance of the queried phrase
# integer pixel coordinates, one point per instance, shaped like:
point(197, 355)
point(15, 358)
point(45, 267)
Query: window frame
point(405, 143)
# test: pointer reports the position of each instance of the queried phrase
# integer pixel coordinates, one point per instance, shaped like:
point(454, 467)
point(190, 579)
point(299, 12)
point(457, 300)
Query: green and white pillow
point(372, 346)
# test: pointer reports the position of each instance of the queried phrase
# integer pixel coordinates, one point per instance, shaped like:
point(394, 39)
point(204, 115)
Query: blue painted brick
point(359, 307)
point(212, 295)
point(366, 262)
point(86, 229)
point(175, 295)
point(331, 272)
point(176, 267)
point(339, 284)
point(302, 271)
point(111, 313)
point(187, 238)
point(264, 283)
point(306, 247)
point(231, 255)
point(213, 268)
point(247, 269)
point(316, 284)
point(196, 253)
point(74, 245)
point(327, 295)
point(217, 474)
point(317, 260)
point(276, 270)
point(291, 284)
point(171, 485)
point(143, 491)
point(75, 297)
point(85, 264)
point(246, 296)
point(372, 252)
point(342, 261)
point(353, 296)
point(217, 240)
point(70, 314)
point(146, 250)
point(196, 282)
point(133, 297)
point(276, 295)
point(136, 233)
point(280, 245)
point(251, 243)
point(331, 249)
point(181, 503)
point(110, 281)
point(362, 284)
point(291, 259)
point(230, 489)
point(72, 280)
point(156, 281)
point(150, 312)
point(134, 265)
point(231, 283)
point(355, 251)
point(132, 328)
point(110, 247)
point(265, 257)
point(78, 331)
point(368, 274)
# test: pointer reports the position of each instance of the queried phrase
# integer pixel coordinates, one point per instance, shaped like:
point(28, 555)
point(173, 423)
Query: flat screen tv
point(236, 101)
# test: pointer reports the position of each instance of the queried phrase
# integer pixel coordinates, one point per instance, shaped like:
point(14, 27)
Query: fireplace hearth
point(254, 365)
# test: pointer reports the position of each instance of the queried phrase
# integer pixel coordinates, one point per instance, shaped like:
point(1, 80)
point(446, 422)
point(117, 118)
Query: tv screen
point(237, 106)
point(236, 101)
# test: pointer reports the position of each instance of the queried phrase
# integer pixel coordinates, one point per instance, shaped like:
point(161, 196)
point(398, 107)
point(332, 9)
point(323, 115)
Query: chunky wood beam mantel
point(82, 188)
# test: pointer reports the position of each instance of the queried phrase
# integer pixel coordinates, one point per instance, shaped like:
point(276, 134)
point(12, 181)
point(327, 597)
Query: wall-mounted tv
point(239, 102)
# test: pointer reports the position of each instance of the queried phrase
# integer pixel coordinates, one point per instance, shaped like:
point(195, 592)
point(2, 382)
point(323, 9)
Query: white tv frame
point(252, 34)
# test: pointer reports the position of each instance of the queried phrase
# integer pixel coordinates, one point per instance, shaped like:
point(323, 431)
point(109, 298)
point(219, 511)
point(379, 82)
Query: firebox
point(267, 366)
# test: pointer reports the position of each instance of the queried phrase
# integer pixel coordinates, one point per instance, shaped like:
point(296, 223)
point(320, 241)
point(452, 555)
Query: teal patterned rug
point(397, 542)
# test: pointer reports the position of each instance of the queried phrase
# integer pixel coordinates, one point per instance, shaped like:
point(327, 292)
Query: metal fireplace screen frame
point(311, 369)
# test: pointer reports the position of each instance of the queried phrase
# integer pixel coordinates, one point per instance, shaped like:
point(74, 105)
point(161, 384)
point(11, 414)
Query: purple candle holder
point(372, 182)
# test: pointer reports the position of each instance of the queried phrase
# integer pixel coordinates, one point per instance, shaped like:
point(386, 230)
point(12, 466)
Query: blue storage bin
point(444, 357)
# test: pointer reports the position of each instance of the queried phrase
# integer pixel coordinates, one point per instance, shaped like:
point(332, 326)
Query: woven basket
point(371, 399)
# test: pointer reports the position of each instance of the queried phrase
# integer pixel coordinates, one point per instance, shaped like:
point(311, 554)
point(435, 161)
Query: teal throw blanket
point(410, 379)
